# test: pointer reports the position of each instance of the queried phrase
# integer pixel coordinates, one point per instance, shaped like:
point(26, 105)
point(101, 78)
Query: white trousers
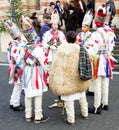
point(101, 90)
point(91, 88)
point(37, 107)
point(16, 94)
point(69, 106)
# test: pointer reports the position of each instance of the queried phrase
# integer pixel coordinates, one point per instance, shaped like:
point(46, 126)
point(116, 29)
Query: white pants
point(38, 107)
point(91, 88)
point(16, 94)
point(69, 106)
point(101, 91)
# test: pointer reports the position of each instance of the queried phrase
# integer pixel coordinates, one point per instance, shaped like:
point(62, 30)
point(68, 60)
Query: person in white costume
point(14, 55)
point(84, 38)
point(52, 39)
point(33, 82)
point(33, 75)
point(69, 99)
point(103, 41)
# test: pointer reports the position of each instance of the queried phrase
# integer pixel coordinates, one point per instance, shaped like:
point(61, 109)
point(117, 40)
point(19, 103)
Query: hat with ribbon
point(100, 15)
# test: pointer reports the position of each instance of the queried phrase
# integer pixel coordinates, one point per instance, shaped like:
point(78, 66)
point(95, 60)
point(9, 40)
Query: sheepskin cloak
point(64, 77)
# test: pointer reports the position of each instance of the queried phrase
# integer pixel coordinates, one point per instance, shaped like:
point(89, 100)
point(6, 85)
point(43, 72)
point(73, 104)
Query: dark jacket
point(72, 22)
point(112, 7)
point(36, 25)
point(44, 28)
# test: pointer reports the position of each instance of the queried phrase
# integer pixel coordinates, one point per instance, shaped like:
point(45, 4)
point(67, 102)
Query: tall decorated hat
point(12, 29)
point(28, 30)
point(100, 15)
point(88, 18)
point(55, 17)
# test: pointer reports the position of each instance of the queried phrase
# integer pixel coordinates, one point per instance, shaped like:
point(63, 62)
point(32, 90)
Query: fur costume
point(64, 77)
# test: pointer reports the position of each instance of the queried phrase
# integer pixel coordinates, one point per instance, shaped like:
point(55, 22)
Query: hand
point(53, 48)
point(45, 69)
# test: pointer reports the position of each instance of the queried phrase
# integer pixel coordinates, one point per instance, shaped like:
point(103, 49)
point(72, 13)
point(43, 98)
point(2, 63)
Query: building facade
point(39, 5)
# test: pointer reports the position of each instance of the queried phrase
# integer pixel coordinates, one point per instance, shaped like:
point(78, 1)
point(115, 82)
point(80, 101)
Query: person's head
point(34, 15)
point(44, 22)
point(55, 26)
point(71, 9)
point(85, 28)
point(52, 5)
point(71, 37)
point(57, 2)
point(72, 3)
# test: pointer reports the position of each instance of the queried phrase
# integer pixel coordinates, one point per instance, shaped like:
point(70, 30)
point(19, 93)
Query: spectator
point(51, 8)
point(81, 8)
point(44, 27)
point(35, 22)
point(65, 13)
point(72, 20)
point(46, 14)
point(112, 10)
point(60, 11)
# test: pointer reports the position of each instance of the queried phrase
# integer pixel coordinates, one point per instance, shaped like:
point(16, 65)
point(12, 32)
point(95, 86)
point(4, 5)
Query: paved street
point(10, 120)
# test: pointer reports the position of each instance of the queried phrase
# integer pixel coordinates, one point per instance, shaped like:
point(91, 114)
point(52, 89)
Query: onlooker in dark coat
point(113, 10)
point(65, 13)
point(81, 8)
point(72, 20)
point(35, 22)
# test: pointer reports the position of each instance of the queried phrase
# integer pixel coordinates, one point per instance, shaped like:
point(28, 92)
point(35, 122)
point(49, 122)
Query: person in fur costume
point(64, 78)
point(103, 41)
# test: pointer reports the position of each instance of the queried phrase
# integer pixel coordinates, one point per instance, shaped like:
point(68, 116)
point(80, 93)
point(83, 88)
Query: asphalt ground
point(11, 120)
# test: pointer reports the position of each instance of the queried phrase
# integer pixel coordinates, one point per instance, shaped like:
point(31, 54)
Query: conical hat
point(88, 18)
point(12, 29)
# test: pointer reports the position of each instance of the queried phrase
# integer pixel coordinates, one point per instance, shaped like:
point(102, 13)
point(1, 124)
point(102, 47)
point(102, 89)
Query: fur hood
point(64, 77)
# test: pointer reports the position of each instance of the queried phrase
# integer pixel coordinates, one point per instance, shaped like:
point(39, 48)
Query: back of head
point(71, 36)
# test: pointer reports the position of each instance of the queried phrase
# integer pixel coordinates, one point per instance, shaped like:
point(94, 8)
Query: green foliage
point(2, 27)
point(18, 4)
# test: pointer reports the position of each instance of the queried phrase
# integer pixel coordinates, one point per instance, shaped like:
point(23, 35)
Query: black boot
point(93, 110)
point(19, 108)
point(90, 93)
point(105, 107)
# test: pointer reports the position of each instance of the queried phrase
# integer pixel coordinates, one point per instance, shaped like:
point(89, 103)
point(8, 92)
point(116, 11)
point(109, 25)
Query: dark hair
point(70, 8)
point(57, 1)
point(71, 36)
point(52, 3)
point(33, 15)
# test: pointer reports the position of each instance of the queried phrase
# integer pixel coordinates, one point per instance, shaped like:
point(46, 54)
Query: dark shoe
point(90, 93)
point(42, 120)
point(105, 107)
point(69, 123)
point(19, 108)
point(11, 106)
point(93, 110)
